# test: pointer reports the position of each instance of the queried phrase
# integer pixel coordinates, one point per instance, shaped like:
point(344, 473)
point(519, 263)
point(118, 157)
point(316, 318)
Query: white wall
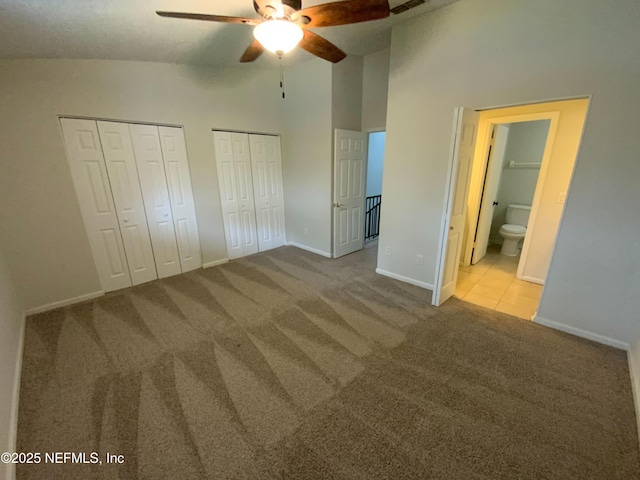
point(306, 154)
point(11, 331)
point(41, 228)
point(514, 52)
point(525, 144)
point(374, 90)
point(375, 163)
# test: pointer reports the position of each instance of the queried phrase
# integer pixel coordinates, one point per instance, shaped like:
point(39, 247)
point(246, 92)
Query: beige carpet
point(287, 365)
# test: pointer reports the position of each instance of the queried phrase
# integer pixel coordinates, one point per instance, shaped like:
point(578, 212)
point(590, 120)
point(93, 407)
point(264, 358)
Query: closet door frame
point(104, 224)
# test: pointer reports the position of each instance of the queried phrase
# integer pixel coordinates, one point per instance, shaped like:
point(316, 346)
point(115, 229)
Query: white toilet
point(514, 230)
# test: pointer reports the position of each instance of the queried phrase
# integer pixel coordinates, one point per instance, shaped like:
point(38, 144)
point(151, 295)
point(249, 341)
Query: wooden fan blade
point(252, 52)
point(342, 13)
point(210, 18)
point(321, 47)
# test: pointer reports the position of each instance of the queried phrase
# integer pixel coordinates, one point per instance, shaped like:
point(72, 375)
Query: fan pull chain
point(281, 77)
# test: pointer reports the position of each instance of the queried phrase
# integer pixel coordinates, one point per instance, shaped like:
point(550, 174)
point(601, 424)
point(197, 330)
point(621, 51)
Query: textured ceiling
point(130, 30)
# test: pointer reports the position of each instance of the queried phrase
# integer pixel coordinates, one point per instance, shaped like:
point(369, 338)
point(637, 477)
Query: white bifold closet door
point(176, 164)
point(146, 144)
point(125, 185)
point(233, 160)
point(89, 174)
point(266, 167)
point(134, 189)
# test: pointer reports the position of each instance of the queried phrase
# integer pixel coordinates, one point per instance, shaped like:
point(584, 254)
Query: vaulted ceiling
point(130, 30)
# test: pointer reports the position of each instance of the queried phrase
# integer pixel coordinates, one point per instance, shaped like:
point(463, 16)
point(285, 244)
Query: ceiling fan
point(284, 24)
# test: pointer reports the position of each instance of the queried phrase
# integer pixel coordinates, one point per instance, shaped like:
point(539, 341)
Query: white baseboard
point(215, 263)
point(402, 278)
point(582, 333)
point(309, 249)
point(64, 303)
point(10, 472)
point(526, 278)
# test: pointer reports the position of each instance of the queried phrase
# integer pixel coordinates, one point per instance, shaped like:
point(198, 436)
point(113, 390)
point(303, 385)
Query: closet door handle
point(166, 215)
point(126, 220)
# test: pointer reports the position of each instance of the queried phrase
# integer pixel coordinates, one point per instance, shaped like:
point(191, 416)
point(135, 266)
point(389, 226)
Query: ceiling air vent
point(406, 6)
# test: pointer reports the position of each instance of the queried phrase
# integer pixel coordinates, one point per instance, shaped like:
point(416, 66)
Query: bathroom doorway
point(510, 278)
point(513, 166)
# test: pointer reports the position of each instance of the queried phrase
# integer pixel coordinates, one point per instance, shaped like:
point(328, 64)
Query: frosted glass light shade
point(278, 35)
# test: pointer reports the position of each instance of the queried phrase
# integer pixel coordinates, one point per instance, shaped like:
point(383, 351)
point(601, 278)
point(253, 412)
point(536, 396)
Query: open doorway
point(487, 274)
point(373, 202)
point(357, 190)
point(505, 247)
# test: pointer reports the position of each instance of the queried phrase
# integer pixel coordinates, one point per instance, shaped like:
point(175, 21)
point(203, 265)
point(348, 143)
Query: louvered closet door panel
point(228, 193)
point(267, 186)
point(176, 163)
point(125, 185)
point(242, 161)
point(89, 173)
point(153, 181)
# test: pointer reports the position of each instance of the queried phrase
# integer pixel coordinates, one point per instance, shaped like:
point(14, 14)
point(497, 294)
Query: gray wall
point(306, 154)
point(525, 144)
point(346, 93)
point(374, 90)
point(514, 52)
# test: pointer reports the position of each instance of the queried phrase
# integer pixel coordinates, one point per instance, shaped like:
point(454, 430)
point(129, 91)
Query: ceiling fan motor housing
point(286, 7)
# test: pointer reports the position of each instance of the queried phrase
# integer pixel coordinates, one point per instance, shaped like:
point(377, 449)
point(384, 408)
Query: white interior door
point(497, 148)
point(146, 146)
point(89, 173)
point(125, 185)
point(266, 167)
point(228, 193)
point(464, 141)
point(246, 202)
point(349, 170)
point(174, 152)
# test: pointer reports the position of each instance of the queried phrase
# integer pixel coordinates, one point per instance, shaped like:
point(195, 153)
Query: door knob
point(166, 215)
point(125, 220)
point(338, 205)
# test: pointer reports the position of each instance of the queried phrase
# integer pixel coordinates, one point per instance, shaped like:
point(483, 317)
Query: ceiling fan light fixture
point(278, 36)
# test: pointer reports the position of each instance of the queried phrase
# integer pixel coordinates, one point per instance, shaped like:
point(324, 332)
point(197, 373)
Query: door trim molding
point(404, 279)
point(539, 281)
point(63, 303)
point(446, 210)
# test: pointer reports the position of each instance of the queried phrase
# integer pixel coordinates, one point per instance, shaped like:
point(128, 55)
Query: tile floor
point(492, 283)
